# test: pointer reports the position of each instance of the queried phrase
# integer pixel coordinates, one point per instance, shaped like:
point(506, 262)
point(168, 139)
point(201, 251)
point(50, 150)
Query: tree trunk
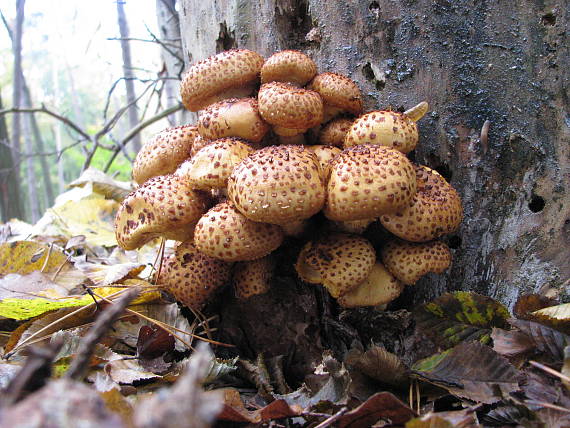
point(473, 61)
point(128, 74)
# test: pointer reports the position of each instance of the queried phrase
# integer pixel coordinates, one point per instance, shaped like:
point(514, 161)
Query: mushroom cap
point(334, 132)
point(342, 260)
point(287, 106)
point(199, 143)
point(338, 91)
point(325, 155)
point(288, 66)
point(233, 118)
point(223, 232)
point(379, 288)
point(386, 128)
point(253, 277)
point(160, 205)
point(353, 226)
point(305, 271)
point(193, 277)
point(409, 261)
point(278, 185)
point(164, 152)
point(205, 81)
point(367, 181)
point(211, 166)
point(434, 211)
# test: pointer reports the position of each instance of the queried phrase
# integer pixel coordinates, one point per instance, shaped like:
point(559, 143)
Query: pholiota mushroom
point(334, 132)
point(288, 66)
point(340, 94)
point(253, 277)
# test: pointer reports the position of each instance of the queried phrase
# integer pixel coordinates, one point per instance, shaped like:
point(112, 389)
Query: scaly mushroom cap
point(338, 91)
point(342, 260)
point(288, 66)
point(214, 78)
point(287, 106)
point(223, 232)
point(233, 118)
point(334, 132)
point(164, 152)
point(278, 185)
point(386, 128)
point(380, 288)
point(193, 277)
point(409, 261)
point(253, 277)
point(305, 271)
point(367, 181)
point(199, 143)
point(434, 211)
point(211, 166)
point(353, 226)
point(160, 205)
point(325, 155)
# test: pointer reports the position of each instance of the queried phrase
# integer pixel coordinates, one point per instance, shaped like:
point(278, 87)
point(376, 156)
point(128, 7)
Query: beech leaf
point(545, 339)
point(380, 406)
point(555, 316)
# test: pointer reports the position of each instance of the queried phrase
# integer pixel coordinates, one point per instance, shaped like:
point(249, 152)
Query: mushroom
point(434, 211)
point(278, 185)
point(161, 206)
point(211, 166)
point(305, 271)
point(325, 155)
point(340, 94)
point(193, 277)
point(379, 288)
point(164, 152)
point(409, 261)
point(252, 277)
point(229, 74)
point(199, 143)
point(289, 109)
point(223, 232)
point(334, 132)
point(288, 66)
point(387, 128)
point(233, 118)
point(353, 226)
point(367, 181)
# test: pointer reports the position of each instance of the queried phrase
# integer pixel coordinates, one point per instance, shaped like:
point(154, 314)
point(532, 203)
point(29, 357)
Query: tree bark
point(128, 74)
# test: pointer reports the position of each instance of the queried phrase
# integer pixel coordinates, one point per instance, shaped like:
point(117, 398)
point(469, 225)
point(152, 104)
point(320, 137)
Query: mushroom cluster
point(278, 146)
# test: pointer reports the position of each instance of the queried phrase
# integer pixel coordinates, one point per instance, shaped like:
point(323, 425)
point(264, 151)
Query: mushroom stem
point(417, 112)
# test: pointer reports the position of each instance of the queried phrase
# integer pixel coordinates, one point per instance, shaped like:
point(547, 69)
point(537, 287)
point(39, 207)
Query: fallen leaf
point(566, 367)
point(545, 339)
point(382, 406)
point(379, 364)
point(511, 342)
point(466, 418)
point(528, 303)
point(555, 316)
point(103, 184)
point(106, 274)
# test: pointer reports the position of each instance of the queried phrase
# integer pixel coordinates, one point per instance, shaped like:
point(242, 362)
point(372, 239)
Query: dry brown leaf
point(381, 406)
point(380, 365)
point(545, 339)
point(555, 316)
point(511, 342)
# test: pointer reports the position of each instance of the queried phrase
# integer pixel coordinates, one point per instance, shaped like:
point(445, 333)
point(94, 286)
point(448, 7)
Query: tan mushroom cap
point(233, 118)
point(434, 211)
point(305, 271)
point(223, 232)
point(212, 165)
point(338, 91)
point(199, 143)
point(386, 128)
point(342, 260)
point(164, 152)
point(253, 277)
point(409, 261)
point(159, 206)
point(334, 132)
point(325, 155)
point(214, 78)
point(278, 185)
point(353, 226)
point(367, 181)
point(287, 106)
point(288, 66)
point(379, 288)
point(193, 277)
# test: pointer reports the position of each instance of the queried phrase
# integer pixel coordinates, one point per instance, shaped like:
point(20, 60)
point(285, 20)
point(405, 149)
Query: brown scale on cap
point(325, 155)
point(224, 233)
point(161, 205)
point(199, 143)
point(286, 106)
point(410, 261)
point(164, 152)
point(305, 270)
point(229, 74)
point(339, 93)
point(367, 181)
point(253, 277)
point(334, 132)
point(193, 277)
point(343, 261)
point(288, 66)
point(211, 166)
point(434, 211)
point(278, 185)
point(233, 118)
point(379, 288)
point(386, 128)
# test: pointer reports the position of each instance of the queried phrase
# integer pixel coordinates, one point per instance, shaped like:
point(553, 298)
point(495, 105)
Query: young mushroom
point(288, 66)
point(340, 94)
point(334, 132)
point(253, 277)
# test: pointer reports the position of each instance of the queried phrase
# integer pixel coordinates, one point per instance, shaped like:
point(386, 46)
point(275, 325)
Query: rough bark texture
point(504, 62)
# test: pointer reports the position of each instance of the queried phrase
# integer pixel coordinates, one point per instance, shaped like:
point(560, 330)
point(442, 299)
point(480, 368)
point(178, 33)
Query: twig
point(550, 371)
point(550, 406)
point(332, 419)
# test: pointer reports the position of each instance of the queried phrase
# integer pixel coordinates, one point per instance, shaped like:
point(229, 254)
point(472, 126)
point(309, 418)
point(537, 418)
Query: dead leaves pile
point(487, 368)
